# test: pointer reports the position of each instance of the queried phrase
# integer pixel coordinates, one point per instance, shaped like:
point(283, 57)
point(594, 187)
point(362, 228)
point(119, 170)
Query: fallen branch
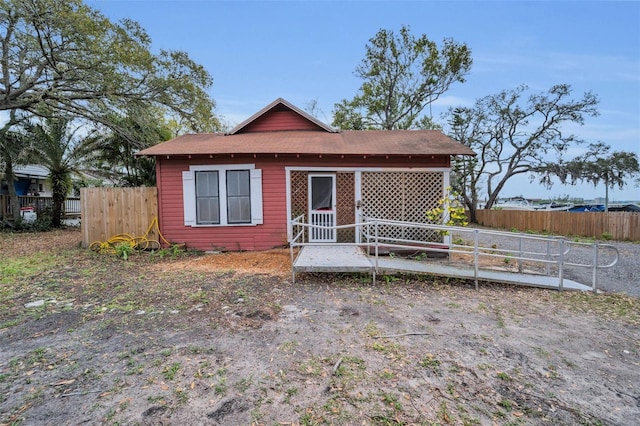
point(78, 393)
point(336, 366)
point(388, 336)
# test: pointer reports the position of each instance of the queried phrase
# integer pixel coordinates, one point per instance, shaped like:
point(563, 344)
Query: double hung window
point(222, 195)
point(207, 198)
point(238, 196)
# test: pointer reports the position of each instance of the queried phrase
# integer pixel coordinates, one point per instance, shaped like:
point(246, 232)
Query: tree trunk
point(473, 218)
point(59, 191)
point(56, 208)
point(14, 201)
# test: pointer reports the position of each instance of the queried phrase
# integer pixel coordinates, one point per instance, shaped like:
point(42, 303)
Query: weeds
point(172, 251)
point(169, 372)
point(430, 362)
point(37, 356)
point(503, 376)
point(244, 384)
point(124, 250)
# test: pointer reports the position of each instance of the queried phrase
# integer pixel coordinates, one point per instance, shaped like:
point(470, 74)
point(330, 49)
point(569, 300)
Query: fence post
point(475, 255)
point(549, 258)
point(520, 254)
point(375, 240)
point(561, 265)
point(595, 266)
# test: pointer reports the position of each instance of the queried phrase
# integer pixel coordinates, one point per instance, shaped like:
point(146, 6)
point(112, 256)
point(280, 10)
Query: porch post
point(445, 187)
point(287, 184)
point(357, 186)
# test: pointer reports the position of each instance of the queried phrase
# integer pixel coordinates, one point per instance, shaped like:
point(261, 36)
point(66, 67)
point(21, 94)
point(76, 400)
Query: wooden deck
point(350, 258)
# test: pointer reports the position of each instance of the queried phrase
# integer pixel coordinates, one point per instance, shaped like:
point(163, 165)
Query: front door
point(322, 207)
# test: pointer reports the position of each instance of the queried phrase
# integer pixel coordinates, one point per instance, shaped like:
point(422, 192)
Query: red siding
point(280, 120)
point(273, 231)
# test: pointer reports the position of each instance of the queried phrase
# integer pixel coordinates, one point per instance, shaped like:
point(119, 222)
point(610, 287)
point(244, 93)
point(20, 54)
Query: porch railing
point(473, 245)
point(71, 206)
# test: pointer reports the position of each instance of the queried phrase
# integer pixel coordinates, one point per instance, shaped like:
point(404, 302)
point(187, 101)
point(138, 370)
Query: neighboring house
point(240, 191)
point(30, 180)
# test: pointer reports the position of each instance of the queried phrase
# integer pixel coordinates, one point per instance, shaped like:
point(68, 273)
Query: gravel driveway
point(624, 277)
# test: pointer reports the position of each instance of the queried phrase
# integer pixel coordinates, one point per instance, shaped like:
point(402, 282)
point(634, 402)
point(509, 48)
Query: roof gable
point(280, 115)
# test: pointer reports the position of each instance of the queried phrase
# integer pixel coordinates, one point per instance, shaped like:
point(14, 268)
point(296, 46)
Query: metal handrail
point(370, 237)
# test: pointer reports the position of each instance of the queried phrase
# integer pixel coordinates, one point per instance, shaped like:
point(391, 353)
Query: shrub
point(454, 209)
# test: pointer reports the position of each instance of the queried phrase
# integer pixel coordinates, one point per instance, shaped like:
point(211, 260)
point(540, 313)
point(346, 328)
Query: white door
point(322, 207)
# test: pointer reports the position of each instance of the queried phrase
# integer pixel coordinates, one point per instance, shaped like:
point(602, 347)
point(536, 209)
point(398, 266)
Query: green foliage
point(449, 208)
point(401, 74)
point(503, 376)
point(56, 147)
point(124, 250)
point(511, 136)
point(67, 56)
point(596, 165)
point(41, 224)
point(430, 362)
point(27, 266)
point(130, 131)
point(170, 371)
point(172, 251)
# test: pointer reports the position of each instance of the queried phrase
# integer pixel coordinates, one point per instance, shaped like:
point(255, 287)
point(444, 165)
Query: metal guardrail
point(554, 253)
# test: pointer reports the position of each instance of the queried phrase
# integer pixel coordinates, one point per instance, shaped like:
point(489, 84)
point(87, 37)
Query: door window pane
point(321, 192)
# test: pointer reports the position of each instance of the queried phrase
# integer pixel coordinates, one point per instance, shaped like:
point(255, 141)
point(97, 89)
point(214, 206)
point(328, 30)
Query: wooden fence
point(110, 211)
point(616, 225)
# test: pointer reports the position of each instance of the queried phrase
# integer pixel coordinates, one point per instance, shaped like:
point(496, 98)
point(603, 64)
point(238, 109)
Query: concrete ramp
point(351, 258)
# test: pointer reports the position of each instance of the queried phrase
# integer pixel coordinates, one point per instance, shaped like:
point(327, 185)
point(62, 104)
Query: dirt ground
point(227, 339)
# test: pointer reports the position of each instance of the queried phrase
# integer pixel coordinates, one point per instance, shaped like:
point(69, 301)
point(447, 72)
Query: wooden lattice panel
point(299, 194)
point(405, 196)
point(345, 206)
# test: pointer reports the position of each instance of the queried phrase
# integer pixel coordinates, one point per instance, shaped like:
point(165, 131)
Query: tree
point(58, 147)
point(595, 166)
point(402, 75)
point(14, 147)
point(115, 149)
point(63, 56)
point(512, 137)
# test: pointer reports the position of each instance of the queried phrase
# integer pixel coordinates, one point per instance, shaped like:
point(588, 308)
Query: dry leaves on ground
point(272, 262)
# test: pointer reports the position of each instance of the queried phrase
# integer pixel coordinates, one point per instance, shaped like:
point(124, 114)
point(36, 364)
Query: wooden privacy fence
point(110, 211)
point(616, 225)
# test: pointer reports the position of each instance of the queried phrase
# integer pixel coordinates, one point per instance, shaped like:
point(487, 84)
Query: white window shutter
point(189, 198)
point(256, 196)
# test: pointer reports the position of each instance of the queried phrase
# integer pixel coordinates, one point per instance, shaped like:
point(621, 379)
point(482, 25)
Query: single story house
point(31, 179)
point(240, 190)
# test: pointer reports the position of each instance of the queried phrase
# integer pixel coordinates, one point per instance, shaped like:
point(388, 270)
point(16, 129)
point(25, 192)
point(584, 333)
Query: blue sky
point(307, 51)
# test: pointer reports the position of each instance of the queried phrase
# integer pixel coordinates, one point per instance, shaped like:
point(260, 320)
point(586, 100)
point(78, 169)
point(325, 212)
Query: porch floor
point(348, 258)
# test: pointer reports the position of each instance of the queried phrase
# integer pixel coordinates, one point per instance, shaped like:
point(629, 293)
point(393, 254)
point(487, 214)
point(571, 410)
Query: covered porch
point(334, 198)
